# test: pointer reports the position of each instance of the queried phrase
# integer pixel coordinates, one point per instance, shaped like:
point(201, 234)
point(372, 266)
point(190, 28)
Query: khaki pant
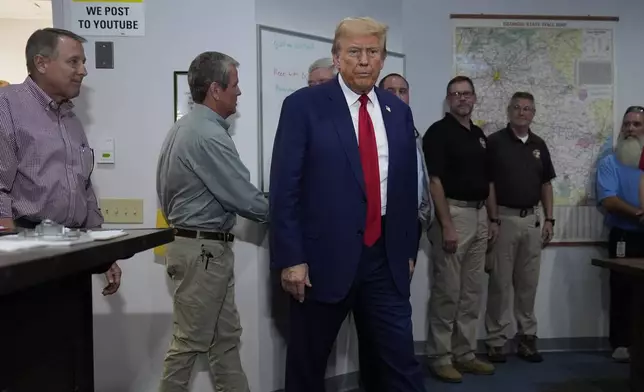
point(456, 287)
point(205, 316)
point(513, 263)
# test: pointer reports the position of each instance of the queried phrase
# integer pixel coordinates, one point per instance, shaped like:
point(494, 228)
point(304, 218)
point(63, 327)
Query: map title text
point(534, 24)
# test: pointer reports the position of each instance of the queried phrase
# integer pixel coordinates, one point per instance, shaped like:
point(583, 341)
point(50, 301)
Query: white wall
point(12, 50)
point(133, 104)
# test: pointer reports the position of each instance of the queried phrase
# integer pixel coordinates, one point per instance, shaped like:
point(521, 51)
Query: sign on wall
point(108, 17)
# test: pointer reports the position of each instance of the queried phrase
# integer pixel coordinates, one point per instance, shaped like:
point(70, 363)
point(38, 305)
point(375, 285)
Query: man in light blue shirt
point(619, 182)
point(618, 178)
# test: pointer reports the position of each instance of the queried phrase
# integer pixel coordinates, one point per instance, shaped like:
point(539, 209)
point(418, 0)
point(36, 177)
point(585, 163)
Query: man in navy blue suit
point(344, 210)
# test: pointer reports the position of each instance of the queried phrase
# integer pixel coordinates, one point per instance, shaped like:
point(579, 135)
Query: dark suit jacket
point(317, 192)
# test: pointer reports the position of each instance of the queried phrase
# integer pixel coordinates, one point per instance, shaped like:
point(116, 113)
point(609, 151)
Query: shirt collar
point(207, 113)
point(45, 100)
point(351, 96)
point(451, 117)
point(514, 137)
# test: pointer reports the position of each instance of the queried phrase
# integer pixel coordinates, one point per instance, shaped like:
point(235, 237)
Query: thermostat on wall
point(106, 151)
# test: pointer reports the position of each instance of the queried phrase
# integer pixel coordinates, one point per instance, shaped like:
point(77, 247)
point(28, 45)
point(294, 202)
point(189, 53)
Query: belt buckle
point(523, 213)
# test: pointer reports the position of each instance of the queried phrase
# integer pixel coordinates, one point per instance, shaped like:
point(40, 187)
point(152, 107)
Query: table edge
point(22, 276)
point(602, 263)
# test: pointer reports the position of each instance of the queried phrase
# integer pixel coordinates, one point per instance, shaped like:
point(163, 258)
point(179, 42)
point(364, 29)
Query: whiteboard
point(284, 58)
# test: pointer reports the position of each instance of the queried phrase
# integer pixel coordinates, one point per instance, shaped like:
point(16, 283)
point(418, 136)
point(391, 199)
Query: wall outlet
point(122, 210)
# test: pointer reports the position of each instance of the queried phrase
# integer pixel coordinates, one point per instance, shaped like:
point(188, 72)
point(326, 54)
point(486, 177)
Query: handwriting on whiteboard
point(286, 45)
point(285, 90)
point(290, 74)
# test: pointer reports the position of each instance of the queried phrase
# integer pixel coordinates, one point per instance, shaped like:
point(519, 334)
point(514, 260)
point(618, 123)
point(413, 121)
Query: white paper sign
point(108, 17)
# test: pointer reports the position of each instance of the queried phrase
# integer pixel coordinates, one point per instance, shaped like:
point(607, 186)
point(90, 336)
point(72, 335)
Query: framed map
point(569, 68)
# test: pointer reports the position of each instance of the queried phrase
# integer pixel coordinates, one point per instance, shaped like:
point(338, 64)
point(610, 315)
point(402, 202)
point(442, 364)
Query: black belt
point(204, 235)
point(518, 211)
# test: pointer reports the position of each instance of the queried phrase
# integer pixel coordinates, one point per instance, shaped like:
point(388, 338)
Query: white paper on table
point(11, 245)
point(104, 235)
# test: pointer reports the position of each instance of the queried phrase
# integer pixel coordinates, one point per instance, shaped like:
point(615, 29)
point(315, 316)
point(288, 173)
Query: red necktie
point(369, 160)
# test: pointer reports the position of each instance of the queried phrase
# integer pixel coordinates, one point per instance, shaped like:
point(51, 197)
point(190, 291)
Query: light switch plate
point(122, 210)
point(106, 151)
point(104, 52)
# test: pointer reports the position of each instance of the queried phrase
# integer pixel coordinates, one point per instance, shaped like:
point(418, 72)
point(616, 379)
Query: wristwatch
point(551, 220)
point(496, 220)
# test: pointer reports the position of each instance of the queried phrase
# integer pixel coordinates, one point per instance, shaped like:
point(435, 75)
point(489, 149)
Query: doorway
point(18, 20)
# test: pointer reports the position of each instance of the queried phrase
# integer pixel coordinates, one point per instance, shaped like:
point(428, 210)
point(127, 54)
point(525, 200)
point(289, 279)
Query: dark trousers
point(383, 322)
point(368, 364)
point(621, 288)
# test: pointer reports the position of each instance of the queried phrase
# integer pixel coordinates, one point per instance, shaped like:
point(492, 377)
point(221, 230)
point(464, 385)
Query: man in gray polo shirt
point(202, 186)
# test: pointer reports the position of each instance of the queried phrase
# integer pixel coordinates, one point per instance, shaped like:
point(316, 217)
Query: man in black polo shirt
point(456, 156)
point(521, 172)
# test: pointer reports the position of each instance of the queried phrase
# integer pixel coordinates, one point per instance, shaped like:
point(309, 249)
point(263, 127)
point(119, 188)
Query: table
point(46, 316)
point(635, 268)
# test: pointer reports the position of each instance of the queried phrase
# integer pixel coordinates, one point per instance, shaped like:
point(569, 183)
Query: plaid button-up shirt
point(45, 160)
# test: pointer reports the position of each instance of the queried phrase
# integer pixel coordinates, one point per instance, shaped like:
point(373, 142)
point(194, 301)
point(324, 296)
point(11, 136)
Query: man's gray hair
point(44, 42)
point(325, 62)
point(206, 69)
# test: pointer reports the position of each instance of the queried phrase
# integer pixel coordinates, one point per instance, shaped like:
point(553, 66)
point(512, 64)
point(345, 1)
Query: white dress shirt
point(382, 144)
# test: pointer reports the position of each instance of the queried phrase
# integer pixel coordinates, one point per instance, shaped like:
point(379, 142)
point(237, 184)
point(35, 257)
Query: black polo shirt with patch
point(458, 156)
point(519, 169)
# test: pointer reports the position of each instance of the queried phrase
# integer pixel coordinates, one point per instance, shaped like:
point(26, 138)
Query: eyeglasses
point(464, 94)
point(528, 109)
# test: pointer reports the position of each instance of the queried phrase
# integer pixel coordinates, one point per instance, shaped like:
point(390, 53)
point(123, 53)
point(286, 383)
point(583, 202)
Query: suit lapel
point(345, 129)
point(392, 134)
